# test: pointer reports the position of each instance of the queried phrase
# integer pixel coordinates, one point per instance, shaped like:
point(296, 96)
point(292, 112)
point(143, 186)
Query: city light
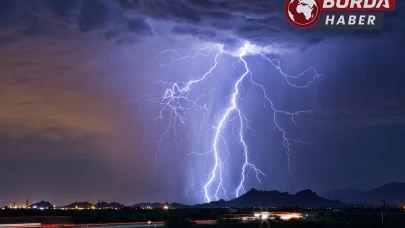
point(272, 215)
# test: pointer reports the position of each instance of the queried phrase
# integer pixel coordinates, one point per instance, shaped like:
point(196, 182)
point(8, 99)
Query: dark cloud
point(8, 12)
point(46, 18)
point(257, 21)
point(164, 10)
point(195, 32)
point(94, 15)
point(110, 34)
point(140, 27)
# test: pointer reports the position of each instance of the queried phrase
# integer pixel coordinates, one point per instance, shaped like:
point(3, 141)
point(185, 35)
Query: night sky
point(74, 125)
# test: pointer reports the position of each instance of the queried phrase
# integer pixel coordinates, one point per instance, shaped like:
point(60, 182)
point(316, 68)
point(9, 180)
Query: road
point(110, 225)
point(123, 226)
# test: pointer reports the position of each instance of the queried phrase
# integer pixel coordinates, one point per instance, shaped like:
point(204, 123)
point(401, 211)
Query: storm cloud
point(229, 22)
point(67, 67)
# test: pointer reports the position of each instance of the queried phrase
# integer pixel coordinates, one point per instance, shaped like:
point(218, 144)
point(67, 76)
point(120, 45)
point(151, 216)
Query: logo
point(338, 14)
point(302, 13)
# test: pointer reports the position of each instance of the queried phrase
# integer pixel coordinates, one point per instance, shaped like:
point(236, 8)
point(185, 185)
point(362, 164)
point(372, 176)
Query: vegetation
point(183, 223)
point(105, 216)
point(184, 218)
point(356, 222)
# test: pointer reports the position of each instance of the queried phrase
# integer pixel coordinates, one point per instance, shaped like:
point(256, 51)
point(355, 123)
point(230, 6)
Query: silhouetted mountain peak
point(306, 193)
point(393, 193)
point(259, 198)
point(178, 205)
point(42, 204)
point(393, 185)
point(79, 205)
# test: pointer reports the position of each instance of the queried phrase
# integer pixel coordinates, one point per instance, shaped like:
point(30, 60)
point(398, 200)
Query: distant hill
point(42, 204)
point(79, 205)
point(256, 198)
point(116, 205)
point(393, 193)
point(178, 206)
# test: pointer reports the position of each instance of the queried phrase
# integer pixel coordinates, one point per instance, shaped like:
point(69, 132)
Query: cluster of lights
point(283, 216)
point(25, 207)
point(62, 208)
point(262, 216)
point(13, 207)
point(40, 208)
point(89, 208)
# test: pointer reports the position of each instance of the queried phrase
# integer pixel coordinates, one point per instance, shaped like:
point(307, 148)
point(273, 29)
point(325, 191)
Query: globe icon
point(302, 13)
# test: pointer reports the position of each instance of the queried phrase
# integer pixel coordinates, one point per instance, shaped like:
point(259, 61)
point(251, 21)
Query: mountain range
point(257, 198)
point(393, 193)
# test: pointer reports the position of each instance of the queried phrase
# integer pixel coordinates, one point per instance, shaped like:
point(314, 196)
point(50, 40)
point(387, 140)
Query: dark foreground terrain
point(184, 218)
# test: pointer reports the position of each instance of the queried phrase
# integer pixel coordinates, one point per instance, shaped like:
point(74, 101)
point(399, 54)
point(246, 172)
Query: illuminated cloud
point(47, 89)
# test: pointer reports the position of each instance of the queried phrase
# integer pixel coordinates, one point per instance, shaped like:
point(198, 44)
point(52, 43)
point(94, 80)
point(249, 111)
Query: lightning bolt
point(175, 104)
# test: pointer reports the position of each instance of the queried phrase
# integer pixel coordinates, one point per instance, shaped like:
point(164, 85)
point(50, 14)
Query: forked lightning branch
point(177, 100)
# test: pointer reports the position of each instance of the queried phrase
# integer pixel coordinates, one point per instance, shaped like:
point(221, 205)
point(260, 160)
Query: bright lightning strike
point(175, 104)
